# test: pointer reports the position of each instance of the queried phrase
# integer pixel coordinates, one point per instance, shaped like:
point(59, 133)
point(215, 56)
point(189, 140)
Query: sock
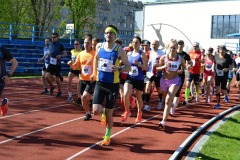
point(147, 98)
point(187, 91)
point(69, 94)
point(160, 97)
point(197, 92)
point(108, 132)
point(192, 91)
point(218, 98)
point(143, 97)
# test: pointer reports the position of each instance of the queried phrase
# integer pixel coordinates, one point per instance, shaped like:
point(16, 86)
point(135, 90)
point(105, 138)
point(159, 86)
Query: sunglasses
point(54, 37)
point(76, 44)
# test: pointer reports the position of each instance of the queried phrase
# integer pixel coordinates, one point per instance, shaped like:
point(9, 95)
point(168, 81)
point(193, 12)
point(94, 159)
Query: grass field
point(224, 143)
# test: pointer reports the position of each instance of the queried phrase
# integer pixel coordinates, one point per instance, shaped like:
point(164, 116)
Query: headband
point(110, 29)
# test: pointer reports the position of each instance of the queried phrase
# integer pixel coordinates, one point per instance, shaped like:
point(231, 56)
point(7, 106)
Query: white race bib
point(208, 67)
point(134, 71)
point(53, 61)
point(193, 62)
point(105, 65)
point(86, 70)
point(220, 73)
point(46, 65)
point(149, 74)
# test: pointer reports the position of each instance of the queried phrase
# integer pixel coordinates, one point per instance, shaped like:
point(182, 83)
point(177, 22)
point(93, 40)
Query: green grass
point(224, 143)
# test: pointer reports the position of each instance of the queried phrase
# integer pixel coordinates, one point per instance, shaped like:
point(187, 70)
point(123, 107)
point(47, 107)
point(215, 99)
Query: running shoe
point(133, 102)
point(106, 141)
point(191, 100)
point(87, 117)
point(77, 102)
point(172, 111)
point(147, 108)
point(103, 120)
point(126, 115)
point(159, 107)
point(139, 117)
point(185, 102)
point(45, 92)
point(51, 90)
point(161, 125)
point(226, 99)
point(59, 94)
point(217, 106)
point(70, 99)
point(4, 107)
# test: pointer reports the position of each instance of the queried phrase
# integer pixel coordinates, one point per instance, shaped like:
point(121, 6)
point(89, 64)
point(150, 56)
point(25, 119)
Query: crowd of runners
point(107, 69)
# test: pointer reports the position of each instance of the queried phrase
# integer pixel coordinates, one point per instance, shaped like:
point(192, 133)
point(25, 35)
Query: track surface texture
point(46, 127)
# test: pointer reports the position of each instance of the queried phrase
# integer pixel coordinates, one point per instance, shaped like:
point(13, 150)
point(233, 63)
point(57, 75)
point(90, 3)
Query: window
point(222, 25)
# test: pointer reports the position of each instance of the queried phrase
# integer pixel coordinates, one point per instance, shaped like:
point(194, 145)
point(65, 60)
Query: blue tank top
point(105, 60)
point(136, 71)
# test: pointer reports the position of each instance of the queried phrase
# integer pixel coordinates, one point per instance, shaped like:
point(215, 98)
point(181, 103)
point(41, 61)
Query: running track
point(45, 127)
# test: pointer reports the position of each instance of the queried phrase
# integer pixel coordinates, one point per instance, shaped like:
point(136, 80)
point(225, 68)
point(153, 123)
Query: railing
point(31, 32)
point(34, 34)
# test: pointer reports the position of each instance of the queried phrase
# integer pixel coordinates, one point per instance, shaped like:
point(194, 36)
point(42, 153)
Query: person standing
point(45, 59)
point(5, 55)
point(223, 63)
point(106, 67)
point(56, 52)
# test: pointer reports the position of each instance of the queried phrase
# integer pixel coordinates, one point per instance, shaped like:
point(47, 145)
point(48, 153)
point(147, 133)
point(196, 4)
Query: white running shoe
point(197, 99)
point(147, 108)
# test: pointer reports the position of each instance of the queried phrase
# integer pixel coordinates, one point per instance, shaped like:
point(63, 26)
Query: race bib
point(46, 65)
point(208, 67)
point(86, 70)
point(105, 65)
point(134, 71)
point(73, 58)
point(53, 61)
point(220, 72)
point(149, 74)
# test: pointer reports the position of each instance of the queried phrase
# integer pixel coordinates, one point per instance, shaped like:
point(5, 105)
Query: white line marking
point(42, 129)
point(90, 147)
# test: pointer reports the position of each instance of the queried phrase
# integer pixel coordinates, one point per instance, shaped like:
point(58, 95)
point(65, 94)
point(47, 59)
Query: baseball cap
point(180, 42)
point(195, 44)
point(145, 42)
point(222, 47)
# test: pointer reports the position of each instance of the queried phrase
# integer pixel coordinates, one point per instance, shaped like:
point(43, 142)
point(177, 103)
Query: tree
point(82, 13)
point(44, 12)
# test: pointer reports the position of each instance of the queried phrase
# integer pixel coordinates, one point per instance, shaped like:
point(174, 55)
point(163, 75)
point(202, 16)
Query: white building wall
point(192, 18)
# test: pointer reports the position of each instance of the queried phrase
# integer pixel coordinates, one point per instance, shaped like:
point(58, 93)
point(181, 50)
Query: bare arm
point(126, 67)
point(13, 66)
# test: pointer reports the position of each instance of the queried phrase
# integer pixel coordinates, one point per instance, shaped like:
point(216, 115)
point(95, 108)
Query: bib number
point(220, 72)
point(134, 71)
point(105, 65)
point(53, 61)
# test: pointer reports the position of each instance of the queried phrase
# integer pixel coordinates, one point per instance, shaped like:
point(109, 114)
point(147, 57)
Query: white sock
point(69, 94)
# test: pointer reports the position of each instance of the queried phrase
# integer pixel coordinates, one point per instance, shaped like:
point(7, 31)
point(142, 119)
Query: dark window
point(222, 25)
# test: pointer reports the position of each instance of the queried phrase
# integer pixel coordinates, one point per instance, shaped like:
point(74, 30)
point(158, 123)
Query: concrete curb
point(177, 154)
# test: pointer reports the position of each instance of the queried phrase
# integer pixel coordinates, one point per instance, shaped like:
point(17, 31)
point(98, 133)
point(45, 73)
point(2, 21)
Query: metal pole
point(70, 37)
point(10, 33)
point(172, 27)
point(33, 30)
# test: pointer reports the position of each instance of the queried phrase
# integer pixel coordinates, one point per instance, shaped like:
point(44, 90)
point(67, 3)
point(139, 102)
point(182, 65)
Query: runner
point(5, 55)
point(223, 63)
point(135, 79)
point(84, 61)
point(170, 81)
point(178, 95)
point(106, 67)
point(74, 72)
point(237, 60)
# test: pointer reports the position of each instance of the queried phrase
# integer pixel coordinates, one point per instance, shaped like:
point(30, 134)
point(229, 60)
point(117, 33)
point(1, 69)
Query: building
point(120, 13)
point(208, 22)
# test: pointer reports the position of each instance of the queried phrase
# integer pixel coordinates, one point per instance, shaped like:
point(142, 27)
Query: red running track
point(45, 127)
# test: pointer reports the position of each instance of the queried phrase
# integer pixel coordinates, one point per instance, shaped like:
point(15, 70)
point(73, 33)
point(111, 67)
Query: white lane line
point(42, 129)
point(37, 110)
point(90, 147)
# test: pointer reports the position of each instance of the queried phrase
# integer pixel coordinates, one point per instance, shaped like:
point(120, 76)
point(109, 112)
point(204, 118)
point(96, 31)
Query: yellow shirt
point(74, 55)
